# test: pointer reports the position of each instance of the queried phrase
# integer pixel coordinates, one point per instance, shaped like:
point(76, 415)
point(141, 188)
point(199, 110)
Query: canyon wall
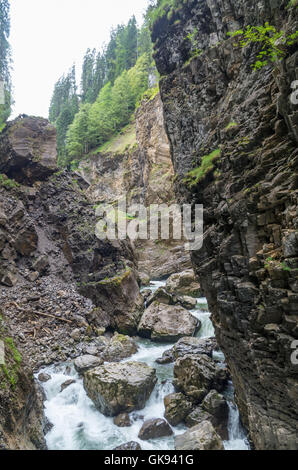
point(237, 128)
point(142, 170)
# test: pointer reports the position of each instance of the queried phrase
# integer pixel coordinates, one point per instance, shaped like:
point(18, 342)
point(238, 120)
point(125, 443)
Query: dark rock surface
point(154, 429)
point(247, 267)
point(129, 446)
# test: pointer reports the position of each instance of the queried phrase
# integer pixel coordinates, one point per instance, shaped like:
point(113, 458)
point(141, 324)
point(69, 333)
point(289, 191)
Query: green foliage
point(198, 174)
point(231, 125)
point(161, 8)
point(270, 40)
point(8, 183)
point(5, 61)
point(97, 123)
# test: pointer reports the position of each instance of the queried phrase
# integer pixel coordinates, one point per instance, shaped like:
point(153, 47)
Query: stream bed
point(78, 425)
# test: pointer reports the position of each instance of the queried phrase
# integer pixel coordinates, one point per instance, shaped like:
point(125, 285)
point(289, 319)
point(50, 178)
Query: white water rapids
point(77, 425)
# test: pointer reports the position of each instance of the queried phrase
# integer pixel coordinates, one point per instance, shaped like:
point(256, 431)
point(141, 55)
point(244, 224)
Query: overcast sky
point(48, 36)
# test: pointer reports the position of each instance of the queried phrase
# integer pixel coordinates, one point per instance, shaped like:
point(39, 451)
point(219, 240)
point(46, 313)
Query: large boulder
point(167, 323)
point(197, 375)
point(194, 346)
point(119, 296)
point(84, 363)
point(177, 407)
point(120, 347)
point(155, 428)
point(120, 387)
point(201, 437)
point(28, 150)
point(184, 283)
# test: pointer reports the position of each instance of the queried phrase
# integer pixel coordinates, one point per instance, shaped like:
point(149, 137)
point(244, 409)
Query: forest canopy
point(113, 81)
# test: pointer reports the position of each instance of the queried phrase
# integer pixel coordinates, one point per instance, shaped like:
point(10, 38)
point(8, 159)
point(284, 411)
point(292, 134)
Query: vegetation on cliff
point(112, 84)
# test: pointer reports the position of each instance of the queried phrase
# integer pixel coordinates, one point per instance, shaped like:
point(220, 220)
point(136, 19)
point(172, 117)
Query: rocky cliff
point(138, 164)
point(233, 139)
point(53, 273)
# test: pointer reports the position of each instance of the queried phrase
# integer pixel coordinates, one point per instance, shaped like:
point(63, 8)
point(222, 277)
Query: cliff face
point(144, 171)
point(215, 105)
point(52, 267)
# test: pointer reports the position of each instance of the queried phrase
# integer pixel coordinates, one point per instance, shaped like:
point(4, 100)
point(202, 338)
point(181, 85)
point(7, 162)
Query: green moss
point(231, 124)
point(16, 355)
point(11, 367)
point(8, 183)
point(207, 165)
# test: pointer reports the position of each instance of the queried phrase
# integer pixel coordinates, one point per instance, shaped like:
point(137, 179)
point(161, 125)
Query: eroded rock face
point(200, 437)
point(116, 388)
point(162, 322)
point(28, 150)
point(246, 268)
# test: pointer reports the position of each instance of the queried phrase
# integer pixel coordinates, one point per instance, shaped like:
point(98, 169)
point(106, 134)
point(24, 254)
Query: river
point(77, 425)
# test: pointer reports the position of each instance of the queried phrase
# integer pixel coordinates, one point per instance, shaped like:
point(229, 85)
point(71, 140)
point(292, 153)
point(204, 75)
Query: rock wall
point(216, 105)
point(145, 173)
point(53, 273)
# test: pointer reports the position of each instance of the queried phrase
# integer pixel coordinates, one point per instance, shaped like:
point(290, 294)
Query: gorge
point(109, 343)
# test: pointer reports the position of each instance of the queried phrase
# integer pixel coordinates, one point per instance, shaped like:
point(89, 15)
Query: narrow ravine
point(77, 425)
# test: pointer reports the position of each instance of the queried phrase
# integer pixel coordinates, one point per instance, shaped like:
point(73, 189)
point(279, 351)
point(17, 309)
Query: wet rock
point(84, 363)
point(177, 407)
point(194, 346)
point(120, 387)
point(216, 405)
point(161, 296)
point(161, 322)
point(66, 384)
point(129, 446)
point(120, 347)
point(187, 302)
point(184, 283)
point(155, 428)
point(200, 437)
point(197, 375)
point(166, 358)
point(197, 416)
point(145, 279)
point(122, 420)
point(44, 377)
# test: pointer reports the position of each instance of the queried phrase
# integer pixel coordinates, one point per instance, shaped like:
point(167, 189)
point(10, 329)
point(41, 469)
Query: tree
point(77, 139)
point(5, 60)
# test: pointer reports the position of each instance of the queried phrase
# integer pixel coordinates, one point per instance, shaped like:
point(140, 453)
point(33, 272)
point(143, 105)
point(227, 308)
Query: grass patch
point(122, 142)
point(198, 174)
point(8, 183)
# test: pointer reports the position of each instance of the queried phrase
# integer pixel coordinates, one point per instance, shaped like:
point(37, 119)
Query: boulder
point(28, 150)
point(119, 296)
point(154, 429)
point(67, 384)
point(184, 283)
point(197, 375)
point(161, 296)
point(84, 363)
point(197, 416)
point(166, 358)
point(44, 377)
point(120, 387)
point(166, 323)
point(120, 347)
point(187, 302)
point(129, 446)
point(201, 437)
point(177, 407)
point(194, 346)
point(144, 279)
point(122, 420)
point(216, 405)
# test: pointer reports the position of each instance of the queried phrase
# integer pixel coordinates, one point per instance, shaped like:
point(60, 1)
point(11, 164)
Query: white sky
point(48, 36)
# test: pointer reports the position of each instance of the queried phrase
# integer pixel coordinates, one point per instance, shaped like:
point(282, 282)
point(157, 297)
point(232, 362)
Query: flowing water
point(77, 425)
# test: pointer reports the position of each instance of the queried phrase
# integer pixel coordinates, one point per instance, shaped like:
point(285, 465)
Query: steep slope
point(138, 164)
point(237, 129)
